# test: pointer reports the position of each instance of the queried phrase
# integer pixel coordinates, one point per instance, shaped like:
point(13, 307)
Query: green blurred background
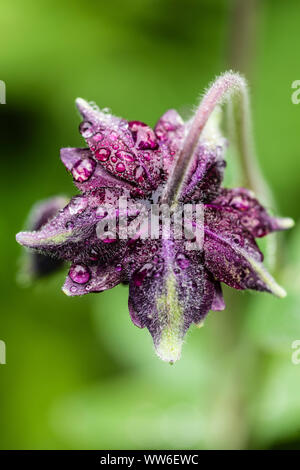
point(78, 373)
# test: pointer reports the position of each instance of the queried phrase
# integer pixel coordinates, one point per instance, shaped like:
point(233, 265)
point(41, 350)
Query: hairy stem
point(225, 87)
point(241, 136)
point(231, 88)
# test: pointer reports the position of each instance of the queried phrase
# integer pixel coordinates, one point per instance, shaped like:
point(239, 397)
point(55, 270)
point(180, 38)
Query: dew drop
point(97, 137)
point(143, 136)
point(69, 225)
point(139, 276)
point(77, 205)
point(101, 213)
point(113, 135)
point(138, 174)
point(127, 156)
point(118, 268)
point(237, 239)
point(120, 167)
point(239, 203)
point(83, 169)
point(86, 129)
point(182, 261)
point(79, 274)
point(102, 154)
point(245, 220)
point(93, 254)
point(261, 232)
point(109, 238)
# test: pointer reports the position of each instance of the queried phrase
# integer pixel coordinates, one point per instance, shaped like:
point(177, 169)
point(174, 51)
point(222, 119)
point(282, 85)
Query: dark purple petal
point(128, 151)
point(36, 265)
point(83, 279)
point(72, 233)
point(73, 158)
point(168, 293)
point(232, 255)
point(207, 175)
point(170, 130)
point(218, 301)
point(252, 215)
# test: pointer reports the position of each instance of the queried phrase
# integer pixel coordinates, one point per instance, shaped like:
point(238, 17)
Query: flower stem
point(229, 87)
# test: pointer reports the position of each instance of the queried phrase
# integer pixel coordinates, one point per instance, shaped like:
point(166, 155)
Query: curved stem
point(241, 136)
point(229, 87)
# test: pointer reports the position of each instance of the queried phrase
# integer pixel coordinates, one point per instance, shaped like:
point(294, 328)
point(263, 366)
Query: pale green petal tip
point(269, 282)
point(66, 291)
point(285, 222)
point(200, 324)
point(275, 288)
point(25, 238)
point(31, 239)
point(279, 291)
point(82, 104)
point(169, 349)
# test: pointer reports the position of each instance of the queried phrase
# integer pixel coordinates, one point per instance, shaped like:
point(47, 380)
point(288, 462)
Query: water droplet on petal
point(83, 169)
point(237, 239)
point(127, 156)
point(97, 137)
point(137, 192)
point(109, 238)
point(113, 135)
point(101, 212)
point(77, 205)
point(138, 174)
point(182, 261)
point(261, 231)
point(143, 136)
point(102, 154)
point(69, 225)
point(86, 129)
point(79, 273)
point(246, 220)
point(139, 276)
point(118, 267)
point(239, 203)
point(120, 167)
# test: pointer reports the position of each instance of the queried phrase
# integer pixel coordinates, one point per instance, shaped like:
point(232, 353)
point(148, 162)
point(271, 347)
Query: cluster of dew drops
point(115, 155)
point(117, 150)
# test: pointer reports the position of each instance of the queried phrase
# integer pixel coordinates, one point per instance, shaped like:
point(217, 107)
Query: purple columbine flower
point(176, 163)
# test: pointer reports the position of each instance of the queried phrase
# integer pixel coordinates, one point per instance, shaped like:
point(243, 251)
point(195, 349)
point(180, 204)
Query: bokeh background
point(79, 375)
